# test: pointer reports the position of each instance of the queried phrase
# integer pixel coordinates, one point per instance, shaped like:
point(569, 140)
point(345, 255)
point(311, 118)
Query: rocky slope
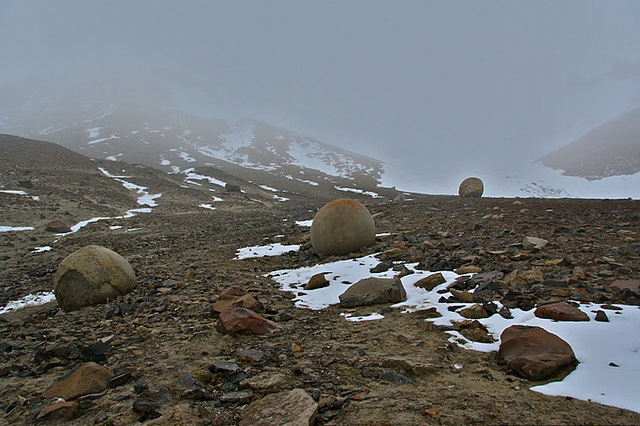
point(162, 137)
point(161, 340)
point(611, 149)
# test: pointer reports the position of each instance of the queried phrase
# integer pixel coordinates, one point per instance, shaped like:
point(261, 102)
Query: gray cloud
point(475, 81)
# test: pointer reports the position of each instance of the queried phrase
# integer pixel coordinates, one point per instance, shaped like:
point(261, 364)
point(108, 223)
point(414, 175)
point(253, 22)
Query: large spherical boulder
point(341, 227)
point(90, 276)
point(471, 187)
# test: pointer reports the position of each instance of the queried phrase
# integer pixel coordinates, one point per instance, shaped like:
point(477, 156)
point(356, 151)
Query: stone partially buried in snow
point(561, 311)
point(341, 227)
point(92, 275)
point(534, 353)
point(471, 187)
point(373, 291)
point(295, 407)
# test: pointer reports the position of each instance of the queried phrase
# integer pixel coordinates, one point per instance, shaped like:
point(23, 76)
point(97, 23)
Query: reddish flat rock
point(561, 312)
point(87, 379)
point(243, 321)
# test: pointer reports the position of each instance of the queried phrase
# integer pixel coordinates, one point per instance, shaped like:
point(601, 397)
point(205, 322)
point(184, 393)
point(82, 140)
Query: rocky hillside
point(612, 149)
point(170, 140)
point(163, 359)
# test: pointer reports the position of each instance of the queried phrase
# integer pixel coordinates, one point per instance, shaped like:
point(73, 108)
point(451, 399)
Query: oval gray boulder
point(92, 275)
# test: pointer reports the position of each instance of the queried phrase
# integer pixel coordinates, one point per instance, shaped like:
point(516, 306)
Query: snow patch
point(275, 249)
point(28, 300)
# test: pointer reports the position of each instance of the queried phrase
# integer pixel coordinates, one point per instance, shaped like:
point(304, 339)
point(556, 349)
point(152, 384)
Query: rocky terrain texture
point(157, 355)
point(611, 149)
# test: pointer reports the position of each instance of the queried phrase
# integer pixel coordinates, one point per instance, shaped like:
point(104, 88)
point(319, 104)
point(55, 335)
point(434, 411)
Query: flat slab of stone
point(295, 407)
point(373, 291)
point(87, 379)
point(561, 312)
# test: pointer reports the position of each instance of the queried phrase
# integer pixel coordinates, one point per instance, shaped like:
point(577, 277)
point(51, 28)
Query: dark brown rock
point(57, 226)
point(243, 321)
point(533, 352)
point(372, 291)
point(317, 281)
point(59, 411)
point(561, 312)
point(87, 379)
point(430, 282)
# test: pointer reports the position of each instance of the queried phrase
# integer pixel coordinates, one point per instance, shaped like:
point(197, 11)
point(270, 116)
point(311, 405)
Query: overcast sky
point(470, 80)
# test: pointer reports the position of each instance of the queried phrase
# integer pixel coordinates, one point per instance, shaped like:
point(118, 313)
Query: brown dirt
point(168, 331)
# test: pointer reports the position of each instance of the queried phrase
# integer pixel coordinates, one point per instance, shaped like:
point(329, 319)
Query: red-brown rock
point(533, 352)
point(626, 284)
point(60, 410)
point(561, 312)
point(243, 321)
point(236, 297)
point(86, 379)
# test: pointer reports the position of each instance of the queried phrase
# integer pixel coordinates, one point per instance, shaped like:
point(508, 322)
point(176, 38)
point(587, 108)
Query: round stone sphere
point(471, 187)
point(341, 227)
point(92, 275)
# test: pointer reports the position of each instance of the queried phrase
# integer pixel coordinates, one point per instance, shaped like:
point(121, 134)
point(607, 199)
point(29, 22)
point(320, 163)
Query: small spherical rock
point(341, 227)
point(471, 187)
point(90, 276)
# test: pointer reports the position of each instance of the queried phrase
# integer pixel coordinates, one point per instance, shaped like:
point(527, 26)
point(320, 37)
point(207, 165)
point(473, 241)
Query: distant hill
point(612, 149)
point(174, 141)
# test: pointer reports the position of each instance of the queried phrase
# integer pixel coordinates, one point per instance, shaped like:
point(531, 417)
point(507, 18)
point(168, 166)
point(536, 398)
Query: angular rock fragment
point(243, 321)
point(372, 291)
point(87, 379)
point(317, 281)
point(430, 282)
point(295, 407)
point(533, 243)
point(236, 297)
point(58, 411)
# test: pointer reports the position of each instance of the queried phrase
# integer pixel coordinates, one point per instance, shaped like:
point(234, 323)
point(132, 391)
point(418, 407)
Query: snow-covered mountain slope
point(611, 149)
point(174, 141)
point(518, 179)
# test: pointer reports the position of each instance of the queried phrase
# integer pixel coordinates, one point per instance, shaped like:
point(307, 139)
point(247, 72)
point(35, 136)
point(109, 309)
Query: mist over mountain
point(436, 91)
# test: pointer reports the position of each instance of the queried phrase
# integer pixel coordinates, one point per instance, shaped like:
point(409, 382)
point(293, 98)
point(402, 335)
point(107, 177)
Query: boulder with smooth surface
point(92, 275)
point(471, 187)
point(534, 353)
point(342, 227)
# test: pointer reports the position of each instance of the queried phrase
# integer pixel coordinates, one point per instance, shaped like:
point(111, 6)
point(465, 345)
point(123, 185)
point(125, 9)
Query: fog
point(421, 83)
